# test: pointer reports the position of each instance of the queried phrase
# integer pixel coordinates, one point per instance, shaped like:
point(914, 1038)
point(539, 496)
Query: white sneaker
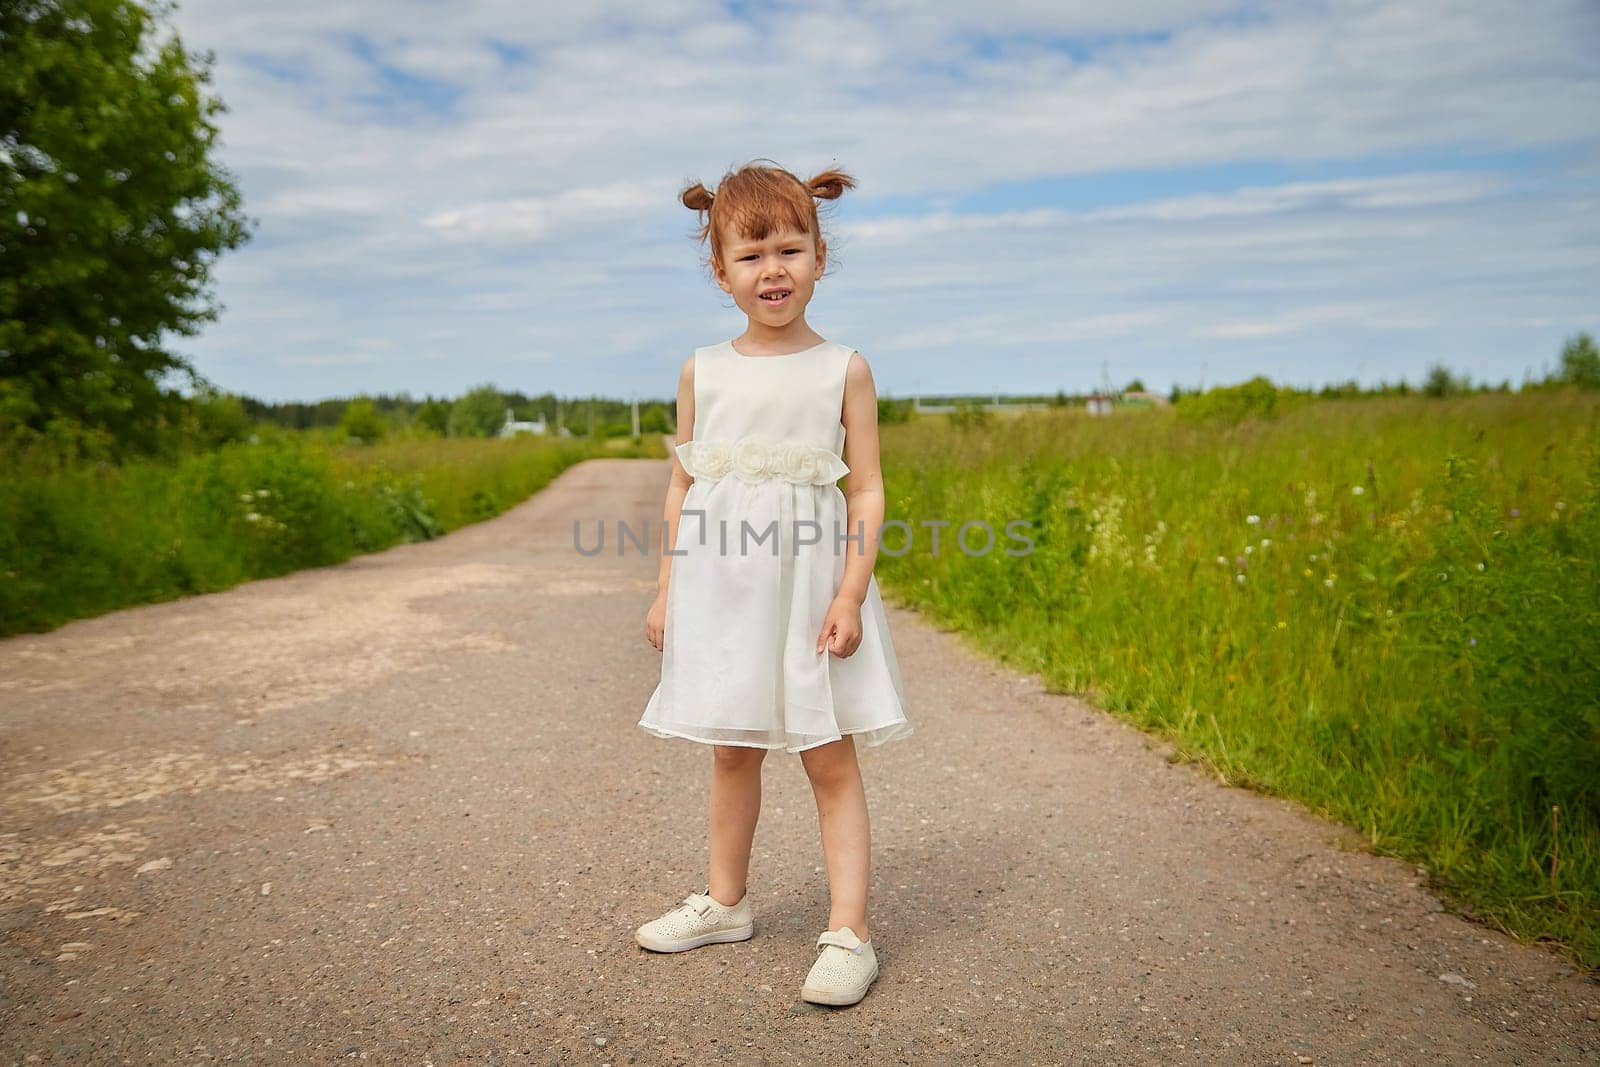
point(699, 920)
point(843, 972)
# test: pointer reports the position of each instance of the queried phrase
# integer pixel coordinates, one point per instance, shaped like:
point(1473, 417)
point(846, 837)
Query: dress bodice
point(768, 415)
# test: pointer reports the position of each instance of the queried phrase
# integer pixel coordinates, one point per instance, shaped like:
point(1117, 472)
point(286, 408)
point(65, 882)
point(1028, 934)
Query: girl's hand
point(655, 623)
point(841, 630)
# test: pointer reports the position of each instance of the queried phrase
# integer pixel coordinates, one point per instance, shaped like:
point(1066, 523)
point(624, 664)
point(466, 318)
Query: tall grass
point(86, 539)
point(1389, 610)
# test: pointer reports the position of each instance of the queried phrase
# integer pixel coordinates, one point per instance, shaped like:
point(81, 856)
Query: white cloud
point(1291, 322)
point(1002, 331)
point(1394, 191)
point(533, 219)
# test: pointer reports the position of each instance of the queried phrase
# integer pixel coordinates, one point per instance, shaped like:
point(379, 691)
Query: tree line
point(479, 412)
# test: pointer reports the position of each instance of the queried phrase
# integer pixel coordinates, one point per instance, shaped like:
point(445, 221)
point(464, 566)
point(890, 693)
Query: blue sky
point(1177, 190)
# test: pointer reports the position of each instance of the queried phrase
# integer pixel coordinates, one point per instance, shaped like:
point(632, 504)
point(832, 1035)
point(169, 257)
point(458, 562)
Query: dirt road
point(398, 810)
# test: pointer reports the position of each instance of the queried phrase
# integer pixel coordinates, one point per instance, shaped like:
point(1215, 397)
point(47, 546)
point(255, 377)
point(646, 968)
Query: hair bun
point(698, 198)
point(830, 184)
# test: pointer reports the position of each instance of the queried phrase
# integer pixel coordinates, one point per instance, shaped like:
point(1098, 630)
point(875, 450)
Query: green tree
point(112, 213)
point(652, 419)
point(435, 415)
point(1580, 362)
point(1440, 382)
point(480, 413)
point(216, 418)
point(362, 421)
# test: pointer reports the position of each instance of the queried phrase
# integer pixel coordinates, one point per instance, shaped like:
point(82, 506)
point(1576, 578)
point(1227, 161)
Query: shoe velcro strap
point(831, 937)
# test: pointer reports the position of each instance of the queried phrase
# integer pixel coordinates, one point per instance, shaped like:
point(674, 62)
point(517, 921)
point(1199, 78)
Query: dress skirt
point(755, 568)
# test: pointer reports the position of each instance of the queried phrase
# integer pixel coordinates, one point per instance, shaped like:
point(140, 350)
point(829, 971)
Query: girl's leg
point(846, 837)
point(735, 806)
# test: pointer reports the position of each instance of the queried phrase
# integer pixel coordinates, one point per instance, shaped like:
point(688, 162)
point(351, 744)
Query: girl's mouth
point(776, 297)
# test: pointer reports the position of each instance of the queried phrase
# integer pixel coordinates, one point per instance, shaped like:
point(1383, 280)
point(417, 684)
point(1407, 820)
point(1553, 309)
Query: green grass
point(1386, 609)
point(85, 540)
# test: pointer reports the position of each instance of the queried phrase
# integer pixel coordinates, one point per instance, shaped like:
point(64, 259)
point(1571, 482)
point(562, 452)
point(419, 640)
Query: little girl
point(772, 631)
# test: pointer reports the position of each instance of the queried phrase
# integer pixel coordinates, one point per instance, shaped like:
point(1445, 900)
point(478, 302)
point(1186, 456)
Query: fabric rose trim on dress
point(756, 459)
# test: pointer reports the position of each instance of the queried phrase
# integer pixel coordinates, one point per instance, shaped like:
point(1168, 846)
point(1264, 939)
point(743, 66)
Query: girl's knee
point(832, 763)
point(737, 757)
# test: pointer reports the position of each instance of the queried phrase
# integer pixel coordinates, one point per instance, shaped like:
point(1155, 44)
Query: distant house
point(1103, 403)
point(513, 427)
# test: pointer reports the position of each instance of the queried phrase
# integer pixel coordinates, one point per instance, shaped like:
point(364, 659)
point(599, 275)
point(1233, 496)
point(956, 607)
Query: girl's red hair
point(756, 202)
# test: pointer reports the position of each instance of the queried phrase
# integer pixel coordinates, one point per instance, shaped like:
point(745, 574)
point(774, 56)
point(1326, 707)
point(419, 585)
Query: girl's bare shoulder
point(857, 373)
point(686, 371)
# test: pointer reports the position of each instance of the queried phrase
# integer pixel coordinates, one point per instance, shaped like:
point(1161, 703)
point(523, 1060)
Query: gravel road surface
point(398, 810)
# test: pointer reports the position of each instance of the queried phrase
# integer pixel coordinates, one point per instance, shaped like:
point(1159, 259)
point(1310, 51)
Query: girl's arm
point(678, 485)
point(863, 486)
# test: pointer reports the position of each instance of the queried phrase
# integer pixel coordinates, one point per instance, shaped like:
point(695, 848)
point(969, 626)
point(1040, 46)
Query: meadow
point(1387, 609)
point(83, 539)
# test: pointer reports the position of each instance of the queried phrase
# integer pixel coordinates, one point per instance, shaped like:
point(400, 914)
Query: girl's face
point(785, 266)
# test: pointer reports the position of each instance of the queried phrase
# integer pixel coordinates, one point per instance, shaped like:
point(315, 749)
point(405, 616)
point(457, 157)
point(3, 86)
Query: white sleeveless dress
point(759, 556)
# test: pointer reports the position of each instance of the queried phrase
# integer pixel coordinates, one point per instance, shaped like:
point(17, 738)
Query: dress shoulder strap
point(706, 360)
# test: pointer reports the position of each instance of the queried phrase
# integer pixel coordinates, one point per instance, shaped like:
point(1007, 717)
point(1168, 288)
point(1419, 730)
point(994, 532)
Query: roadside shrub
point(1257, 398)
point(362, 421)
